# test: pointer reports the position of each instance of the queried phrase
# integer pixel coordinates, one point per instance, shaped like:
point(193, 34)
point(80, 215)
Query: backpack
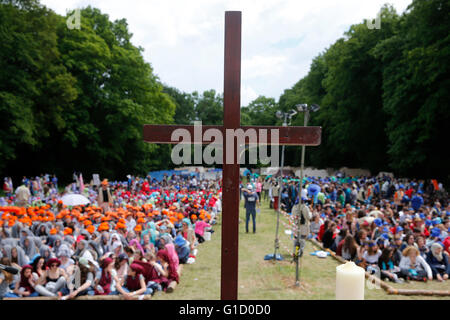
point(302, 219)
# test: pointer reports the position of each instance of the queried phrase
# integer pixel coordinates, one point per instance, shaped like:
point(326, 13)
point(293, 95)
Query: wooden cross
point(230, 180)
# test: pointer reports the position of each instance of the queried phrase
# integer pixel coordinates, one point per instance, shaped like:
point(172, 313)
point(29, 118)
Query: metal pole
point(300, 203)
point(279, 195)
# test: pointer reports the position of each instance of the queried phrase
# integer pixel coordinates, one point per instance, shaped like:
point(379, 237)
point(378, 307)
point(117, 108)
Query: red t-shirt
point(321, 232)
point(446, 243)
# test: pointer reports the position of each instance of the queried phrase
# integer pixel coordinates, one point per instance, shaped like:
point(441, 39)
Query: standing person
point(251, 201)
point(22, 196)
point(292, 193)
point(6, 188)
point(276, 195)
point(266, 187)
point(305, 218)
point(55, 181)
point(105, 200)
point(258, 187)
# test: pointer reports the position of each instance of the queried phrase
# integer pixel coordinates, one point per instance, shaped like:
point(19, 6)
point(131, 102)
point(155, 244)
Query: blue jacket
point(435, 264)
point(416, 202)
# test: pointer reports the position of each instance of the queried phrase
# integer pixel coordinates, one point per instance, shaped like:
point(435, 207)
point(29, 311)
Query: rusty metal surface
point(230, 182)
point(308, 136)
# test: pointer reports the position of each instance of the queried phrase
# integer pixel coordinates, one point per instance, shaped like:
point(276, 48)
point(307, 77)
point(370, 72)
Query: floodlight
point(315, 107)
point(279, 115)
point(302, 107)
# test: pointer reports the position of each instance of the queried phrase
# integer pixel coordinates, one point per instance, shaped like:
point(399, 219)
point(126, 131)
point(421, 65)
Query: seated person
point(134, 284)
point(83, 280)
point(348, 248)
point(413, 266)
point(328, 237)
point(370, 255)
point(438, 262)
point(387, 267)
point(24, 285)
point(182, 248)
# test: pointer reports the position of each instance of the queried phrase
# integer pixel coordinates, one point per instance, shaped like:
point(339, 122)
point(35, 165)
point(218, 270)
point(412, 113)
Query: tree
point(208, 107)
point(415, 89)
point(34, 83)
point(185, 105)
point(76, 99)
point(260, 111)
point(346, 81)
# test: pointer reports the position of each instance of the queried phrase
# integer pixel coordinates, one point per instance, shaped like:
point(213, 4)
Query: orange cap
point(141, 220)
point(120, 226)
point(87, 222)
point(90, 229)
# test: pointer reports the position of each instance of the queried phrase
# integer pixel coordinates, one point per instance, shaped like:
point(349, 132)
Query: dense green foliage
point(77, 99)
point(384, 94)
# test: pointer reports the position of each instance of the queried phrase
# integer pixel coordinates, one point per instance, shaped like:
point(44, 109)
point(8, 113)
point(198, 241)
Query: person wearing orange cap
point(104, 198)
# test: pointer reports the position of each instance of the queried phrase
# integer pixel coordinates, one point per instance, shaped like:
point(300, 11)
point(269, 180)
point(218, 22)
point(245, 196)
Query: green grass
point(263, 280)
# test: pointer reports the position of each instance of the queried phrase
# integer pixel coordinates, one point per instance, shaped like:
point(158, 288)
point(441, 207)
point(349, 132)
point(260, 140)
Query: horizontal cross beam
point(307, 136)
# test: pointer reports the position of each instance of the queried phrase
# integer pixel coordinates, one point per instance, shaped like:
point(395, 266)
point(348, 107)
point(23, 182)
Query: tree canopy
point(78, 99)
point(383, 94)
point(75, 99)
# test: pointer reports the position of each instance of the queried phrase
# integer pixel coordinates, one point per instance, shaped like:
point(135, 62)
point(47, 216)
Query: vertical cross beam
point(230, 180)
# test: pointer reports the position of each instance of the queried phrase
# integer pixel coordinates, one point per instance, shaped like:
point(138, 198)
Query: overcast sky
point(184, 40)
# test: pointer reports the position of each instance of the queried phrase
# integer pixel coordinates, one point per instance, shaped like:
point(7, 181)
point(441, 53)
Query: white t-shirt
point(304, 193)
point(113, 282)
point(372, 259)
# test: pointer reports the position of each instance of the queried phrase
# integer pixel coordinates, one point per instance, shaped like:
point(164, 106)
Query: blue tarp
point(159, 175)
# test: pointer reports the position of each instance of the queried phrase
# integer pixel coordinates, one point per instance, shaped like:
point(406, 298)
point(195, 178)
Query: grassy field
point(262, 280)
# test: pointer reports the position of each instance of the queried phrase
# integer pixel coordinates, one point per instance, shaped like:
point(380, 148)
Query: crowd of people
point(131, 239)
point(398, 229)
point(134, 236)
